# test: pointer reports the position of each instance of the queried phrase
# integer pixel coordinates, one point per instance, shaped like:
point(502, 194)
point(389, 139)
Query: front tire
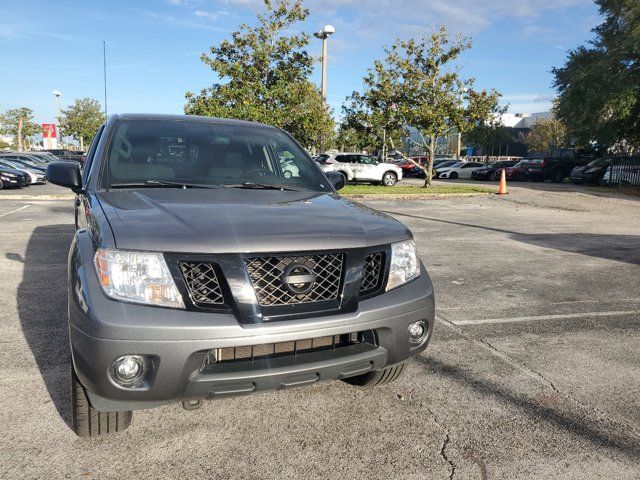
point(377, 377)
point(89, 422)
point(557, 176)
point(389, 179)
point(453, 175)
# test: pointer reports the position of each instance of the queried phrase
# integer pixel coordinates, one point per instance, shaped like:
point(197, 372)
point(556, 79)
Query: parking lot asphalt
point(533, 371)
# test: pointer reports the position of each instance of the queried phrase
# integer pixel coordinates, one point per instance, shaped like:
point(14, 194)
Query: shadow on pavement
point(622, 248)
point(574, 423)
point(42, 308)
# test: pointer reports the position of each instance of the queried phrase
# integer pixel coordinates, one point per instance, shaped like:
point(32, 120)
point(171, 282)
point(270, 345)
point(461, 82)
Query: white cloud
point(465, 16)
point(207, 15)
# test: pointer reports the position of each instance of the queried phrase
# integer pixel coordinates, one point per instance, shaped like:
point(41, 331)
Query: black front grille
point(267, 274)
point(372, 273)
point(202, 283)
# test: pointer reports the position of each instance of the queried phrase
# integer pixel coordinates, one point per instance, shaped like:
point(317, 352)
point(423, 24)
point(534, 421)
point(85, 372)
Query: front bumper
point(10, 182)
point(101, 330)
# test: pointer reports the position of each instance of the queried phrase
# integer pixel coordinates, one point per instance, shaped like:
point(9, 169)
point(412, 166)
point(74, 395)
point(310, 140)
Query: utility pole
point(57, 94)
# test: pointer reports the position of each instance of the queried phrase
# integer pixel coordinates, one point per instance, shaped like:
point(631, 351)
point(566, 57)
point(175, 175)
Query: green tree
point(263, 74)
point(19, 123)
point(418, 84)
point(370, 125)
point(545, 135)
point(82, 120)
point(599, 85)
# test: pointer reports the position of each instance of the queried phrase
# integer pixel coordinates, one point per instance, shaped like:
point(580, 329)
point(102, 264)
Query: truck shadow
point(595, 431)
point(42, 308)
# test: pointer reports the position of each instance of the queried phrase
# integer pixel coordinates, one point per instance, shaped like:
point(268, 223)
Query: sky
point(153, 46)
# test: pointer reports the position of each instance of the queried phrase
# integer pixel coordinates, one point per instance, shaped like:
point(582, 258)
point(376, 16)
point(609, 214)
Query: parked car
point(45, 157)
point(459, 170)
point(11, 178)
point(422, 160)
point(35, 175)
point(518, 173)
point(213, 275)
point(557, 165)
point(441, 164)
point(358, 167)
point(24, 160)
point(487, 172)
point(321, 160)
point(409, 169)
point(590, 173)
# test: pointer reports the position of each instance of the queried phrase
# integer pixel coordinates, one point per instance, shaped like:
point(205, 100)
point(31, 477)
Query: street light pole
point(323, 34)
point(57, 94)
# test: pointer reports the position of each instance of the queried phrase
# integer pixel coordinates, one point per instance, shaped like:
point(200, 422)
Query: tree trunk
point(432, 153)
point(19, 134)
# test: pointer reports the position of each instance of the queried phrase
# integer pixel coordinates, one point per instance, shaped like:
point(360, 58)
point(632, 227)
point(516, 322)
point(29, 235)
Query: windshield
point(150, 152)
point(600, 162)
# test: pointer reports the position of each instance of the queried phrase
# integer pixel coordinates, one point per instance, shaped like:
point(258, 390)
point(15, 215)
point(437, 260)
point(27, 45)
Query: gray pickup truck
point(200, 270)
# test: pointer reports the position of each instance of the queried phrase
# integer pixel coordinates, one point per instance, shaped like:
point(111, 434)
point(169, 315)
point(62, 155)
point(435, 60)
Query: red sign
point(49, 130)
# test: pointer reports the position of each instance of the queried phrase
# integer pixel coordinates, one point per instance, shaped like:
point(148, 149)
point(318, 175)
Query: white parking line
point(14, 211)
point(559, 316)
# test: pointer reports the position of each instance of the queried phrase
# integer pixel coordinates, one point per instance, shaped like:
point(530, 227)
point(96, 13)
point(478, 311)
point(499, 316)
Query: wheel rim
point(287, 174)
point(389, 179)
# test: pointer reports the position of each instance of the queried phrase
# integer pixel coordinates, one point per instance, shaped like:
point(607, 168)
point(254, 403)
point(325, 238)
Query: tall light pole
point(57, 94)
point(323, 34)
point(459, 134)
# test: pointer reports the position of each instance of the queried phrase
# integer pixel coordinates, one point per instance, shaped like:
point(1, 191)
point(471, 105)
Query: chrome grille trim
point(266, 274)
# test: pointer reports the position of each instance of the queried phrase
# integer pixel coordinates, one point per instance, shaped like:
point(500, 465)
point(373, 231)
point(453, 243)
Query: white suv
point(358, 167)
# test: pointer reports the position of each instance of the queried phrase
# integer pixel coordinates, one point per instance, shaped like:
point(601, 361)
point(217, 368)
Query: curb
point(413, 196)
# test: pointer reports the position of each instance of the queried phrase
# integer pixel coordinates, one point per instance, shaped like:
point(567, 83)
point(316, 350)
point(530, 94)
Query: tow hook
point(191, 404)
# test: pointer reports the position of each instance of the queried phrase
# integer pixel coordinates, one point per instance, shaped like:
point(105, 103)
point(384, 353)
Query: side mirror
point(65, 174)
point(336, 179)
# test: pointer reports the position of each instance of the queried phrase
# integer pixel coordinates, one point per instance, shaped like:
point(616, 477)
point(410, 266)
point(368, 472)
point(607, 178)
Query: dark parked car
point(590, 173)
point(557, 166)
point(488, 172)
point(24, 160)
point(10, 178)
point(198, 270)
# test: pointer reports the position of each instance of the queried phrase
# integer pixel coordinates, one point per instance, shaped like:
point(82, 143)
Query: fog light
point(128, 370)
point(417, 330)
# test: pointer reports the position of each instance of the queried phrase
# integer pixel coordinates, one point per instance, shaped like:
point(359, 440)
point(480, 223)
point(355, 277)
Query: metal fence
point(624, 173)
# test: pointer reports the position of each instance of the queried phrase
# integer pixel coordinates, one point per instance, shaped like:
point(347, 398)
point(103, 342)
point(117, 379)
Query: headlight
point(404, 264)
point(140, 277)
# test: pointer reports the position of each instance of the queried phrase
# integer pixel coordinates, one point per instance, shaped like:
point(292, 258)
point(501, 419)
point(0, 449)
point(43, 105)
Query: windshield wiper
point(264, 186)
point(161, 183)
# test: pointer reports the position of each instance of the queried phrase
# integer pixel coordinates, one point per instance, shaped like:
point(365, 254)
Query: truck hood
point(243, 221)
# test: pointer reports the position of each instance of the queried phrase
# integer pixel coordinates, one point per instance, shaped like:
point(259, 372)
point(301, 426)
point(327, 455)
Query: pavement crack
point(445, 443)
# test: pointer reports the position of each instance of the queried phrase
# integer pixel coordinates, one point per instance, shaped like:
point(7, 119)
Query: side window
point(342, 159)
point(90, 154)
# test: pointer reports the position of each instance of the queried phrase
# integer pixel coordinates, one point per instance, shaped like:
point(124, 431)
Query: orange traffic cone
point(502, 189)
